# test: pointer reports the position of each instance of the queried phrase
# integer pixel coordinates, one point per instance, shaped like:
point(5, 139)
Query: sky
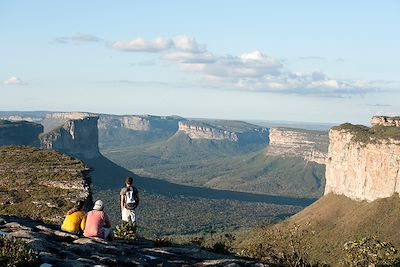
point(309, 61)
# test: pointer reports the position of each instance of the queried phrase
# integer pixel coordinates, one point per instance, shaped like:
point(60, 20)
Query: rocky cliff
point(21, 133)
point(78, 137)
point(363, 163)
point(385, 121)
point(41, 184)
point(287, 142)
point(242, 135)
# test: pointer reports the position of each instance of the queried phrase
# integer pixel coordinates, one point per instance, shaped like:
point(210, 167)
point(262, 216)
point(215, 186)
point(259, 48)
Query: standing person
point(97, 222)
point(74, 221)
point(129, 200)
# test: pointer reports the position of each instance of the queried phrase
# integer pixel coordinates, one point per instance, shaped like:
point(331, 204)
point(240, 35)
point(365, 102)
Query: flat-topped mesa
point(385, 121)
point(363, 163)
point(21, 133)
point(288, 142)
point(196, 130)
point(68, 115)
point(78, 138)
point(138, 123)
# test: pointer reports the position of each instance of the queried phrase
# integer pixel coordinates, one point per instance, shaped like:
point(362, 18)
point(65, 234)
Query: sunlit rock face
point(385, 121)
point(199, 130)
point(21, 133)
point(362, 170)
point(310, 145)
point(78, 137)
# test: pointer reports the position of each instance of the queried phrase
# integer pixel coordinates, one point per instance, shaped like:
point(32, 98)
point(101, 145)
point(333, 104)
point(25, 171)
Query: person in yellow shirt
point(75, 220)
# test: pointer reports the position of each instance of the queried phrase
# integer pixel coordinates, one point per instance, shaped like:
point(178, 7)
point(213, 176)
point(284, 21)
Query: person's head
point(79, 205)
point(129, 181)
point(98, 205)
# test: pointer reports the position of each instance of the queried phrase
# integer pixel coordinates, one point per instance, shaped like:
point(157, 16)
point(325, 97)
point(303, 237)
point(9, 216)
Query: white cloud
point(77, 38)
point(13, 80)
point(140, 45)
point(252, 71)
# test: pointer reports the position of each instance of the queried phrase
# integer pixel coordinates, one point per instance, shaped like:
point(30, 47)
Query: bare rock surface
point(56, 248)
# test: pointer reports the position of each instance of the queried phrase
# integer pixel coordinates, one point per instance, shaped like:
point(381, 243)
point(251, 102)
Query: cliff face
point(310, 145)
point(20, 133)
point(77, 138)
point(385, 121)
point(206, 132)
point(198, 130)
point(138, 123)
point(361, 166)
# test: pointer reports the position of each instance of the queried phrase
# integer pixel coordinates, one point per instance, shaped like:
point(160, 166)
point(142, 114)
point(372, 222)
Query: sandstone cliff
point(363, 162)
point(78, 137)
point(20, 133)
point(287, 142)
point(385, 121)
point(242, 135)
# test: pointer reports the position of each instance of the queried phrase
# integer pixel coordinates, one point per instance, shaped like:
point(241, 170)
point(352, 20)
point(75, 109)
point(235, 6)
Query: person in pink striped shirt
point(97, 222)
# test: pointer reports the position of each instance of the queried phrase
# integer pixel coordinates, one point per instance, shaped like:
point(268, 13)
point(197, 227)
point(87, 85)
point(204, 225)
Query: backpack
point(131, 200)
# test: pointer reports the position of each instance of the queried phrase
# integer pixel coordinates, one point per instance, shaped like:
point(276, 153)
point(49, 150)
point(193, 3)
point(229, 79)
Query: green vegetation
point(177, 216)
point(334, 220)
point(370, 252)
point(125, 231)
point(14, 253)
point(374, 134)
point(36, 183)
point(203, 163)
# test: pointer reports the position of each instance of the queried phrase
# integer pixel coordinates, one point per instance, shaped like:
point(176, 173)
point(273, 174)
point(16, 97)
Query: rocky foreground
point(57, 248)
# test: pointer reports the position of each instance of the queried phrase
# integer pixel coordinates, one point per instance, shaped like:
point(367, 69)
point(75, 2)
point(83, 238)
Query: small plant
point(14, 252)
point(162, 242)
point(370, 252)
point(125, 231)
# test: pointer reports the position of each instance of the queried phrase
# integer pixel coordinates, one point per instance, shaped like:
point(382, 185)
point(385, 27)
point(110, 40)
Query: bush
point(125, 231)
point(281, 248)
point(370, 252)
point(14, 252)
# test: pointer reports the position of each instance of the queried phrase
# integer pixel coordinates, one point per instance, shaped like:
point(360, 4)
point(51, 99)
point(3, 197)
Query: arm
point(122, 201)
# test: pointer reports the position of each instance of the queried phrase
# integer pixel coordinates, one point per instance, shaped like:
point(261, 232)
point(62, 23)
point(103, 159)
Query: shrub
point(125, 231)
point(14, 252)
point(370, 252)
point(281, 247)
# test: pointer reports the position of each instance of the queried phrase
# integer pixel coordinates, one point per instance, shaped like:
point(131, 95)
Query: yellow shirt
point(74, 222)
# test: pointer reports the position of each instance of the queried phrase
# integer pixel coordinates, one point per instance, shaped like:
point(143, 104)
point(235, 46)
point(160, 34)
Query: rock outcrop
point(78, 137)
point(385, 121)
point(57, 248)
point(41, 184)
point(138, 123)
point(363, 162)
point(287, 142)
point(21, 133)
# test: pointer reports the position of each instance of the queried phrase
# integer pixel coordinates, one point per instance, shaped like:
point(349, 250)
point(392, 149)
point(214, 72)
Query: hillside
point(215, 165)
point(40, 184)
point(326, 225)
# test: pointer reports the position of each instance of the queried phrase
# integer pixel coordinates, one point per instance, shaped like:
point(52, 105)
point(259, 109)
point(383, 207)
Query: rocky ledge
point(57, 248)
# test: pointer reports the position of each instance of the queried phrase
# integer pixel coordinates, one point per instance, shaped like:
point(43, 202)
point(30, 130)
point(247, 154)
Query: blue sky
point(252, 60)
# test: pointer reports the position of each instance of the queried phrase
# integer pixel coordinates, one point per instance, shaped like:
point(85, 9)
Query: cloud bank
point(251, 71)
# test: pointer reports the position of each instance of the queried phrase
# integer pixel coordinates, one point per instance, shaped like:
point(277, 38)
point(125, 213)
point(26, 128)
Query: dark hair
point(129, 180)
point(77, 207)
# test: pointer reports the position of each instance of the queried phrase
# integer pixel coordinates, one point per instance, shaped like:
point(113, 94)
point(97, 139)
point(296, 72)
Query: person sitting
point(97, 222)
point(74, 221)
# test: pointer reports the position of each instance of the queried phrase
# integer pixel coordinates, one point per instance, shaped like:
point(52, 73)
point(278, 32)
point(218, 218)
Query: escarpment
point(19, 133)
point(78, 137)
point(287, 142)
point(364, 162)
point(41, 184)
point(242, 135)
